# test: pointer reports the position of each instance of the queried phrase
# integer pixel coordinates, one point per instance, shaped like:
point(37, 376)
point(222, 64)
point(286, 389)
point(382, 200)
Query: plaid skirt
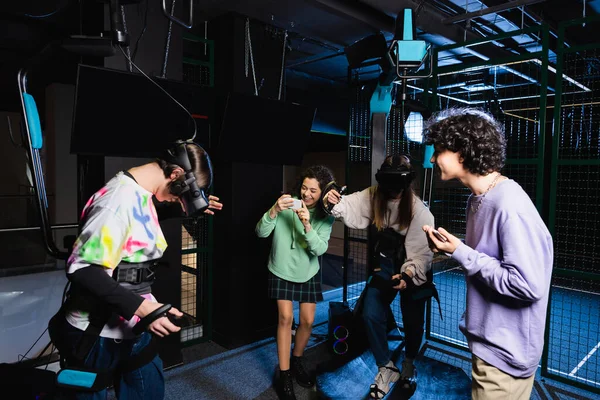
point(305, 292)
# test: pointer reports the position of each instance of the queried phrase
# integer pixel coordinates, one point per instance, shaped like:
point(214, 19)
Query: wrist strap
point(409, 282)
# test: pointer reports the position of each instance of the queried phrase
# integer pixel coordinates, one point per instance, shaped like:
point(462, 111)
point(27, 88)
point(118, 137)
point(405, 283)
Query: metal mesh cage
point(194, 269)
point(451, 286)
point(359, 139)
point(580, 126)
point(198, 60)
point(196, 74)
point(574, 332)
point(405, 139)
point(359, 152)
point(574, 336)
point(526, 176)
point(357, 266)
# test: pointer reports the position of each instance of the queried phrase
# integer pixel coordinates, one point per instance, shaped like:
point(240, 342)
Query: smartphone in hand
point(439, 236)
point(297, 204)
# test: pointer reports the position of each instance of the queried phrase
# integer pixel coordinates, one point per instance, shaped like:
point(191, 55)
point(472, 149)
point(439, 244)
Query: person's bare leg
point(284, 333)
point(307, 318)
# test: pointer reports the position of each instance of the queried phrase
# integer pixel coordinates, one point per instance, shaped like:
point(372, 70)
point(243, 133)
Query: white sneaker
point(387, 375)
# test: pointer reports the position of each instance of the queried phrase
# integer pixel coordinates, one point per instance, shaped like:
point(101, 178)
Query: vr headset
point(396, 177)
point(193, 197)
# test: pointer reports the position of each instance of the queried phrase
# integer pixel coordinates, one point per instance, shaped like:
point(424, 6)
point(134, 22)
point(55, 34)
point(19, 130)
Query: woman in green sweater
point(300, 236)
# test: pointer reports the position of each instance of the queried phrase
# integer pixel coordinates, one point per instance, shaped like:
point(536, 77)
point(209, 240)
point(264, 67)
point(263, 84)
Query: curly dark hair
point(474, 134)
point(323, 175)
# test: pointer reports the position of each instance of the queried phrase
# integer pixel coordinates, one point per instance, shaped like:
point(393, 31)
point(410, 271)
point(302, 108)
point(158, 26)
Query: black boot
point(302, 376)
point(286, 386)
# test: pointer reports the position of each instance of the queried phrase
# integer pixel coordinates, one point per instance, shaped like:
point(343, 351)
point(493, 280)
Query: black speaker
point(346, 332)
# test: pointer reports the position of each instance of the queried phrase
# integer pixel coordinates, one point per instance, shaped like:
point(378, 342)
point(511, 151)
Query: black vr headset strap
point(392, 174)
point(193, 197)
point(179, 156)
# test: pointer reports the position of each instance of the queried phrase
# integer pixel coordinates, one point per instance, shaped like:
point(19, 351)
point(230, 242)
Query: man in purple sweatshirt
point(507, 255)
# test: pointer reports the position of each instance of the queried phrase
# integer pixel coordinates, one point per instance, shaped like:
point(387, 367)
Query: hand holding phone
point(297, 204)
point(439, 236)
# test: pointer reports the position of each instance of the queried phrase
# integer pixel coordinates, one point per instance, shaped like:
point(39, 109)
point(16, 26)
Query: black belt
point(135, 273)
point(137, 277)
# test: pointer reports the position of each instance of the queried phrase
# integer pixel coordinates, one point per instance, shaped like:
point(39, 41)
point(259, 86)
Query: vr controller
point(331, 186)
point(407, 279)
point(160, 312)
point(143, 323)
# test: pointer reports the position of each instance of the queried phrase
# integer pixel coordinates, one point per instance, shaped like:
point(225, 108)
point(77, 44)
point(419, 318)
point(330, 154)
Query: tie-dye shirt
point(118, 223)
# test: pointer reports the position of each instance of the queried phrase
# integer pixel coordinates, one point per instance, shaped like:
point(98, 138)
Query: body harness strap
point(137, 277)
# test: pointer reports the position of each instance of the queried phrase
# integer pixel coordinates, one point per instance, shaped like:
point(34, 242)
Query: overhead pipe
point(312, 59)
point(490, 10)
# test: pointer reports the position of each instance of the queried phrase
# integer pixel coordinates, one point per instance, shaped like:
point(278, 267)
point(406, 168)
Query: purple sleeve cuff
point(467, 257)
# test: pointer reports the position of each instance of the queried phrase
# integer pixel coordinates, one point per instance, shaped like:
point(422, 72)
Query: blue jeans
point(144, 383)
point(375, 314)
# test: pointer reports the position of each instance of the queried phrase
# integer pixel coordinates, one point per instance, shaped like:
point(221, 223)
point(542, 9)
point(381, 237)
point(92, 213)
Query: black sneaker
point(299, 371)
point(286, 386)
point(408, 375)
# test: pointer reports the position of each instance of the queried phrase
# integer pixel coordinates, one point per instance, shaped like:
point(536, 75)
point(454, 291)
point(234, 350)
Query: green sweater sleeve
point(265, 225)
point(318, 238)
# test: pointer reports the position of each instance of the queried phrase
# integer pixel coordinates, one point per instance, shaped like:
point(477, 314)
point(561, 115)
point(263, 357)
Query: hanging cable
point(282, 63)
point(129, 67)
point(137, 42)
point(249, 56)
point(163, 73)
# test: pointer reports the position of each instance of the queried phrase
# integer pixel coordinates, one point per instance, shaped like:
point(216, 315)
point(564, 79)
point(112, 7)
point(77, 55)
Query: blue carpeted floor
point(213, 372)
point(243, 373)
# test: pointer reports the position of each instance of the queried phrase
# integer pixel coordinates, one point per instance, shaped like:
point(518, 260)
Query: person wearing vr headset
point(300, 235)
point(401, 261)
point(507, 254)
point(111, 269)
